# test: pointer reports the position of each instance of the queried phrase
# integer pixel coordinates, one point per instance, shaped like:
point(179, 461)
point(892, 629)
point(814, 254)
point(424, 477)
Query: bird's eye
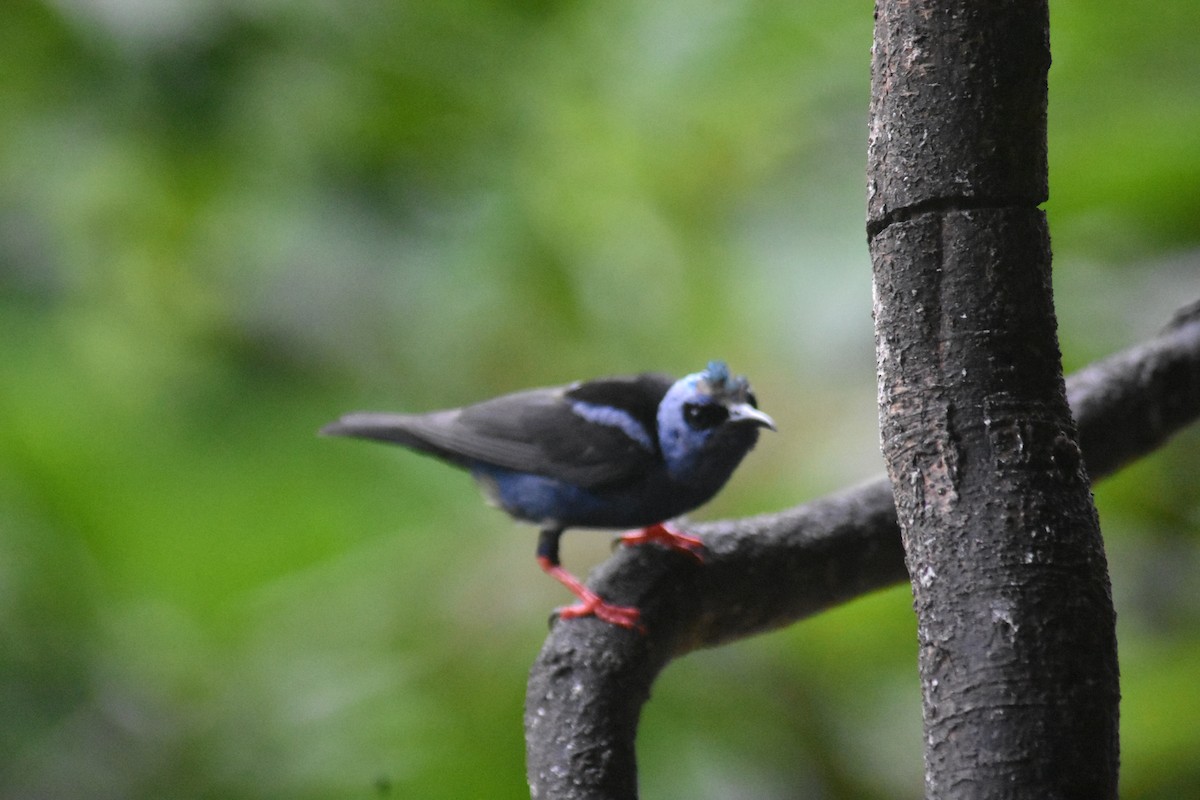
point(700, 416)
point(751, 399)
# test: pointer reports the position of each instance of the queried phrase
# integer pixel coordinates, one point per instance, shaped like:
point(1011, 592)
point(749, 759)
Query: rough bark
point(1018, 652)
point(589, 683)
point(958, 111)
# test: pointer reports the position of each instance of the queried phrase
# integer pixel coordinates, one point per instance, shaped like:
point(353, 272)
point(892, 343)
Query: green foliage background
point(224, 223)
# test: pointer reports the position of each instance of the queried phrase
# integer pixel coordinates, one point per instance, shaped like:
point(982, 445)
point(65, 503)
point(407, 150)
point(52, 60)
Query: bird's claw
point(668, 537)
point(592, 606)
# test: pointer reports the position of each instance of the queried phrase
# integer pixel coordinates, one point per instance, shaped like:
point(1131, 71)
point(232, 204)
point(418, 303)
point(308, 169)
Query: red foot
point(625, 616)
point(590, 604)
point(668, 537)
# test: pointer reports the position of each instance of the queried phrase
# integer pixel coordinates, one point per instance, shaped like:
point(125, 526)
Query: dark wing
point(639, 396)
point(542, 431)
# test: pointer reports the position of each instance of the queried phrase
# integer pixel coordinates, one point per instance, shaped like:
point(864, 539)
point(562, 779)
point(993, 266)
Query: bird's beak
point(744, 412)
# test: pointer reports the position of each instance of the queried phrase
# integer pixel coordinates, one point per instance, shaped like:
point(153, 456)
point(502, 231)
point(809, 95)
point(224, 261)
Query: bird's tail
point(415, 431)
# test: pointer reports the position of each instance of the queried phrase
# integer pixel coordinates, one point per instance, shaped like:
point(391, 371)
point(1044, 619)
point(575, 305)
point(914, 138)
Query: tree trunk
point(1015, 620)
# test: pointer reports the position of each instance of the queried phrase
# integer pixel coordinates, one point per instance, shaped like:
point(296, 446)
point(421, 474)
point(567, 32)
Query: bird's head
point(707, 422)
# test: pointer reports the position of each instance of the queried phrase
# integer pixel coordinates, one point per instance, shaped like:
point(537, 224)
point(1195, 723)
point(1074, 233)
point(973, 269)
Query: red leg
point(668, 537)
point(590, 603)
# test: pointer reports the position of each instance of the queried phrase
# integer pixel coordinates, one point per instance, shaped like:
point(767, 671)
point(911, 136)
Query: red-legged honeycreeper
point(623, 452)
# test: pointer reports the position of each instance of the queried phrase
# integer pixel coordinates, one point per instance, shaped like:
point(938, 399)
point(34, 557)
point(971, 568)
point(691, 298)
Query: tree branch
point(589, 682)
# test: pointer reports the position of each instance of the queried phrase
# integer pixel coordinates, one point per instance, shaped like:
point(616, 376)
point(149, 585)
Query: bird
point(624, 452)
